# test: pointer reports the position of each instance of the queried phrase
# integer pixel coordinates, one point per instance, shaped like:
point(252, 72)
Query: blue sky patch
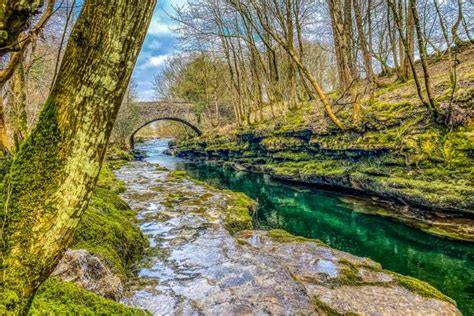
point(160, 43)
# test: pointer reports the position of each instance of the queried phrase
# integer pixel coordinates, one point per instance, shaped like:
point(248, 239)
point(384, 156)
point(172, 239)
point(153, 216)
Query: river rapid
point(335, 219)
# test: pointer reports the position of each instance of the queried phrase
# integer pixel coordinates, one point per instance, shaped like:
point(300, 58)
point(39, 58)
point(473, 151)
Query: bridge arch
point(184, 122)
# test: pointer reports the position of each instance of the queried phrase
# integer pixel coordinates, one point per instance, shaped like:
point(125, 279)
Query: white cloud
point(147, 95)
point(157, 61)
point(154, 62)
point(159, 28)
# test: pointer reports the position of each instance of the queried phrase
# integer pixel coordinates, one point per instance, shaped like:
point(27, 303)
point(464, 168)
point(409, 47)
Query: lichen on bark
point(53, 174)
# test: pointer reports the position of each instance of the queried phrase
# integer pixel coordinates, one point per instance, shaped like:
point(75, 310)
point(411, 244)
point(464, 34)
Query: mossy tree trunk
point(16, 35)
point(56, 168)
point(14, 18)
point(3, 130)
point(17, 106)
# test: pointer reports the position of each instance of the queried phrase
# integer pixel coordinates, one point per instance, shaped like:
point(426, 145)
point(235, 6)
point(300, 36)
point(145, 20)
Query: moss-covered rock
point(238, 213)
point(64, 298)
point(275, 144)
point(292, 156)
point(108, 231)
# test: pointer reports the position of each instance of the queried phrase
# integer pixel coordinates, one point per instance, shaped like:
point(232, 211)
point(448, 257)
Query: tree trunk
point(3, 130)
point(15, 16)
point(363, 42)
point(17, 42)
point(52, 176)
point(407, 50)
point(454, 30)
point(341, 44)
point(423, 56)
point(299, 37)
point(392, 35)
point(444, 30)
point(17, 106)
point(347, 37)
point(407, 54)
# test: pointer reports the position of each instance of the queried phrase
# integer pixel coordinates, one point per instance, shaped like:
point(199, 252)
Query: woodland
point(371, 96)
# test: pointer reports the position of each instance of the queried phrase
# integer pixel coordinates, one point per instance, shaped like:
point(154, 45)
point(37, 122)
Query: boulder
point(90, 272)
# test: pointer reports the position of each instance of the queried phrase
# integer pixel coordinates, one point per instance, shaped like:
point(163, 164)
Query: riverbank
point(91, 275)
point(437, 198)
point(399, 154)
point(204, 257)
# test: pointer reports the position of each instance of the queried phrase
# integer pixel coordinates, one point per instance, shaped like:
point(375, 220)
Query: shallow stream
point(340, 222)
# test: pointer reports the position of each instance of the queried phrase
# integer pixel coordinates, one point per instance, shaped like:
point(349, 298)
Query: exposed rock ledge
point(204, 259)
point(337, 282)
point(90, 272)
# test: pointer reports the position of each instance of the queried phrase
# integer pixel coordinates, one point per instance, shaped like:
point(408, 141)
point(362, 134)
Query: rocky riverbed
point(204, 258)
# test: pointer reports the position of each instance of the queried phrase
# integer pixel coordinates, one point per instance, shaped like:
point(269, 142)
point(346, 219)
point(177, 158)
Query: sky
point(160, 43)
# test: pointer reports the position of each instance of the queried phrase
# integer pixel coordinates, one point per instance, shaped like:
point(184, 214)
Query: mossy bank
point(107, 232)
point(398, 153)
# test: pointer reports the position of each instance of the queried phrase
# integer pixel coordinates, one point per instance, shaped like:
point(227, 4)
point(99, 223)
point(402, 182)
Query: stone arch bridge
point(149, 112)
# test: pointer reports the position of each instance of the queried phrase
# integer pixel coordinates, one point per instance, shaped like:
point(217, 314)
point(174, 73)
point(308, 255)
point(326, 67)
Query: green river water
point(331, 217)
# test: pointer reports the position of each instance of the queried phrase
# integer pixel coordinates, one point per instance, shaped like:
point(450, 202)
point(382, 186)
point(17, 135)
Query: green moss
point(117, 164)
point(177, 174)
point(5, 162)
point(117, 154)
point(59, 297)
point(284, 236)
point(294, 120)
point(274, 144)
point(284, 171)
point(230, 145)
point(324, 309)
point(242, 242)
point(292, 156)
point(238, 213)
point(347, 274)
point(324, 168)
point(33, 178)
point(107, 228)
point(421, 288)
point(458, 147)
point(108, 180)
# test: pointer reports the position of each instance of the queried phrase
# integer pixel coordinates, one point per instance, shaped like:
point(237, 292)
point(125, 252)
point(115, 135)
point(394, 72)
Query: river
point(340, 222)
